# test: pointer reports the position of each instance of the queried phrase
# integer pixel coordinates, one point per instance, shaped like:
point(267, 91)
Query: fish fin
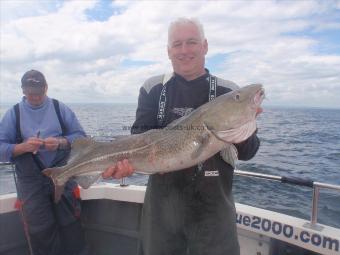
point(58, 192)
point(203, 141)
point(85, 181)
point(81, 142)
point(118, 137)
point(175, 122)
point(229, 154)
point(80, 147)
point(53, 172)
point(58, 187)
point(109, 138)
point(48, 172)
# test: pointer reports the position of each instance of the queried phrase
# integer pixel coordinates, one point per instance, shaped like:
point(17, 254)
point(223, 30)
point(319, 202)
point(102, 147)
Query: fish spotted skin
point(185, 142)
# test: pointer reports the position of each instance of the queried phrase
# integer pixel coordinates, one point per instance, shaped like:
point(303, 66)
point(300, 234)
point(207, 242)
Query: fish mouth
point(259, 96)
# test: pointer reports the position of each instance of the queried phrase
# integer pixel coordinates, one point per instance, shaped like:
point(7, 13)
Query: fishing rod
point(306, 182)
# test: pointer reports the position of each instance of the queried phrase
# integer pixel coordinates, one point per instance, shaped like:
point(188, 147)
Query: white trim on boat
point(7, 203)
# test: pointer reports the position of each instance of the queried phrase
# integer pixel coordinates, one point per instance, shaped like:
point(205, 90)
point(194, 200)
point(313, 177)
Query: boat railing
point(6, 163)
point(306, 182)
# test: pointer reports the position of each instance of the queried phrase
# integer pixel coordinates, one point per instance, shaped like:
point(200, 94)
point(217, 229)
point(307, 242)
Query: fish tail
point(58, 187)
point(58, 191)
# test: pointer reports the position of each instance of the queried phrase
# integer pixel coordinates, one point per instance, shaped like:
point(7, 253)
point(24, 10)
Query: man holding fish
point(191, 211)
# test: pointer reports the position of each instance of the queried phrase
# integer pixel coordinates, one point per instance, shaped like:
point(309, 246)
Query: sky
point(103, 51)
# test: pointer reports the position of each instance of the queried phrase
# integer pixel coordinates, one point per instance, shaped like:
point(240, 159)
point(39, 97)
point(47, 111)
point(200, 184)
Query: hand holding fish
point(121, 169)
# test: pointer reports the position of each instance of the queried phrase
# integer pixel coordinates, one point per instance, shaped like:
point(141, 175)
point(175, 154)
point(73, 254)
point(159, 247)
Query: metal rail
point(316, 186)
point(315, 200)
point(5, 163)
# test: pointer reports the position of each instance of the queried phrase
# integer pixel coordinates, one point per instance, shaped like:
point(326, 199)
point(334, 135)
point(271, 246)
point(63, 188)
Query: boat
point(111, 218)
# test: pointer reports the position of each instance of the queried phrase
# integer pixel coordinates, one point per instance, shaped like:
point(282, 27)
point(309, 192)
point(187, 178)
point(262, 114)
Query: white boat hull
point(257, 228)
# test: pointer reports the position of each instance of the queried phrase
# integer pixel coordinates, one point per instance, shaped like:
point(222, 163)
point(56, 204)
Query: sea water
point(295, 142)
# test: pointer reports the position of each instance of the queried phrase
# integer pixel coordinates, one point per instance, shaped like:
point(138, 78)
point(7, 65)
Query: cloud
point(17, 9)
point(91, 56)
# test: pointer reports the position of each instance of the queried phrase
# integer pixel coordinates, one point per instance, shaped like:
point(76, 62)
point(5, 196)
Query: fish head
point(234, 113)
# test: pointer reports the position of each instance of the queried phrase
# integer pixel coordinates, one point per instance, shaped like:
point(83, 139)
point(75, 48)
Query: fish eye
point(237, 97)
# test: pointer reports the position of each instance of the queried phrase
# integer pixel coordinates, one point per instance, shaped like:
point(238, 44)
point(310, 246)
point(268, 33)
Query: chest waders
point(46, 225)
point(188, 212)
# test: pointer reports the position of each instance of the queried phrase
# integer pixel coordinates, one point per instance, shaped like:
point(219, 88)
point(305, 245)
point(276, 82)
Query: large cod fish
point(187, 141)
